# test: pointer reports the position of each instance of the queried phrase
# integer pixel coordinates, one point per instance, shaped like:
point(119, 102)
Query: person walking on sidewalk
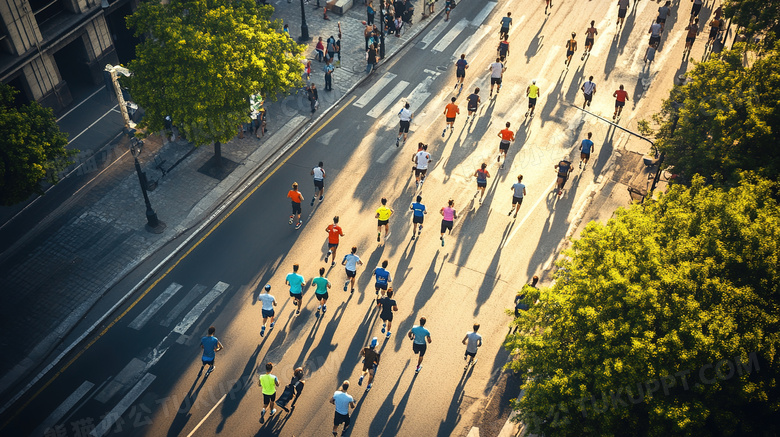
point(421, 161)
point(350, 263)
point(460, 71)
point(370, 363)
point(472, 340)
point(383, 214)
point(450, 112)
point(449, 215)
point(420, 337)
point(334, 233)
point(210, 346)
point(506, 23)
point(588, 89)
point(328, 74)
point(371, 58)
point(418, 216)
point(296, 281)
point(586, 147)
point(268, 382)
point(313, 97)
point(269, 302)
point(382, 278)
point(343, 403)
point(321, 291)
point(481, 174)
point(370, 14)
point(387, 305)
point(621, 97)
point(405, 115)
point(296, 198)
point(507, 136)
point(319, 182)
point(518, 193)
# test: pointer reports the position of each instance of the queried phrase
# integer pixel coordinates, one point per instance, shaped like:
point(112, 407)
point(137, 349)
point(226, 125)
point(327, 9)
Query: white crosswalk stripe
point(201, 306)
point(374, 90)
point(480, 17)
point(46, 427)
point(470, 43)
point(450, 36)
point(152, 309)
point(389, 98)
point(116, 413)
point(434, 33)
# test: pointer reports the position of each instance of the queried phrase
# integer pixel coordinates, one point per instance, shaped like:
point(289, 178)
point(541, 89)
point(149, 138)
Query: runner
point(533, 93)
point(497, 70)
point(518, 193)
point(210, 346)
point(296, 282)
point(296, 197)
point(650, 54)
point(269, 383)
point(472, 340)
point(382, 278)
point(449, 215)
point(388, 305)
point(350, 263)
point(383, 214)
point(482, 174)
point(460, 71)
point(586, 147)
point(663, 13)
point(693, 31)
point(450, 112)
point(343, 401)
point(588, 89)
point(319, 183)
point(334, 233)
point(421, 160)
point(714, 30)
point(370, 362)
point(405, 115)
point(269, 302)
point(506, 136)
point(294, 388)
point(419, 149)
point(503, 49)
point(590, 35)
point(506, 22)
point(419, 335)
point(547, 4)
point(473, 102)
point(621, 97)
point(418, 215)
point(655, 33)
point(564, 168)
point(321, 291)
point(571, 47)
point(696, 8)
point(622, 8)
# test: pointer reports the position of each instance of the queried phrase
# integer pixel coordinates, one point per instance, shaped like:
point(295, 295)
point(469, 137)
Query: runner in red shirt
point(296, 197)
point(506, 136)
point(450, 111)
point(334, 232)
point(621, 97)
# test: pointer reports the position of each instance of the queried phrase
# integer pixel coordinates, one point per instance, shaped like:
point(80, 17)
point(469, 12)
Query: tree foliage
point(32, 148)
point(755, 16)
point(662, 322)
point(202, 59)
point(728, 119)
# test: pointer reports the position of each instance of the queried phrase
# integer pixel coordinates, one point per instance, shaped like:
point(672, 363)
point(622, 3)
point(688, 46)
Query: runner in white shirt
point(472, 340)
point(319, 183)
point(422, 158)
point(497, 70)
point(269, 302)
point(343, 403)
point(350, 263)
point(588, 89)
point(405, 115)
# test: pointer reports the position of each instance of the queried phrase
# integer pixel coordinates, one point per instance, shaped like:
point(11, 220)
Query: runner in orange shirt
point(450, 112)
point(334, 232)
point(506, 136)
point(296, 197)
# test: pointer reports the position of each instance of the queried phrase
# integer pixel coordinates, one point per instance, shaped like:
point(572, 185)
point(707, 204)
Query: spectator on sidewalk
point(320, 49)
point(338, 51)
point(331, 48)
point(398, 24)
point(328, 75)
point(430, 8)
point(408, 12)
point(307, 71)
point(367, 34)
point(371, 59)
point(370, 13)
point(311, 93)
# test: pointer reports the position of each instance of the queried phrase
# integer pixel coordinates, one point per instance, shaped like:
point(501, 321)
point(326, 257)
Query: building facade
point(54, 51)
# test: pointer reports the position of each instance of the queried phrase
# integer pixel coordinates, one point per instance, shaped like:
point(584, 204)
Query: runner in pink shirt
point(448, 218)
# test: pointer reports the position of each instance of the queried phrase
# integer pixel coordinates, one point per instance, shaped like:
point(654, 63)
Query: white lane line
point(434, 33)
point(150, 311)
point(183, 303)
point(374, 90)
point(415, 99)
point(447, 39)
point(390, 97)
point(80, 103)
point(222, 399)
point(93, 123)
point(467, 46)
point(480, 17)
point(62, 409)
point(198, 309)
point(115, 414)
point(385, 156)
point(530, 211)
point(126, 377)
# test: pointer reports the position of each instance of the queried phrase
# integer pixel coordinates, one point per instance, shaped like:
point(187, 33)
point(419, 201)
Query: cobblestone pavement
point(55, 273)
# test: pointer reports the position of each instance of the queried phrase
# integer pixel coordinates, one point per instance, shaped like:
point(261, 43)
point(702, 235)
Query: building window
point(45, 10)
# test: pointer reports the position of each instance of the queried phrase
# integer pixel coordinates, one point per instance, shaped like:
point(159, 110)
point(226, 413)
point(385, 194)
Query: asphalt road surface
point(140, 375)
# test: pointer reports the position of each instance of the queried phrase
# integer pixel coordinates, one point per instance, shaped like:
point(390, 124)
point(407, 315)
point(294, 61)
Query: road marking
point(125, 378)
point(467, 46)
point(63, 408)
point(431, 36)
point(222, 399)
point(415, 99)
point(93, 123)
point(447, 39)
point(374, 90)
point(81, 103)
point(530, 211)
point(116, 413)
point(389, 98)
point(480, 17)
point(161, 300)
point(385, 156)
point(183, 303)
point(201, 306)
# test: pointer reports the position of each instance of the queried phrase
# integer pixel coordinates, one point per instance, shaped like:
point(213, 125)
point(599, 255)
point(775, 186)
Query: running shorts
point(417, 219)
point(379, 286)
point(588, 42)
point(267, 399)
point(332, 245)
point(713, 32)
point(419, 348)
point(622, 13)
point(472, 109)
point(321, 296)
point(296, 208)
point(470, 354)
point(531, 102)
point(420, 172)
point(450, 119)
point(367, 366)
point(481, 184)
point(584, 155)
point(210, 362)
point(565, 178)
point(569, 53)
point(619, 104)
point(660, 20)
point(319, 183)
point(517, 200)
point(504, 30)
point(690, 39)
point(588, 97)
point(657, 39)
point(351, 273)
point(495, 80)
point(338, 419)
point(446, 225)
point(382, 222)
point(503, 145)
point(386, 317)
point(268, 313)
point(404, 126)
point(460, 73)
point(696, 9)
point(298, 296)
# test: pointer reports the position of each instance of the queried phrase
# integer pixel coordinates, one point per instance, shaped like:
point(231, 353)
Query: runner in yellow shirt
point(532, 92)
point(383, 218)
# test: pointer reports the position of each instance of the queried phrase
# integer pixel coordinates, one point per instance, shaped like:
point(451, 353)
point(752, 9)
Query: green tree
point(202, 59)
point(727, 119)
point(663, 322)
point(32, 148)
point(755, 16)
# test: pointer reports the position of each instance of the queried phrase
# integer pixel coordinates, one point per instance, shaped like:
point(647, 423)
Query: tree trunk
point(218, 154)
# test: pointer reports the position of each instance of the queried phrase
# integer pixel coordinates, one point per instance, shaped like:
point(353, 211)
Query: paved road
point(139, 376)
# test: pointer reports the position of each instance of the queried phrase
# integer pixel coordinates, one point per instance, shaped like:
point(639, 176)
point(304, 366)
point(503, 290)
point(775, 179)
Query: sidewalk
point(54, 274)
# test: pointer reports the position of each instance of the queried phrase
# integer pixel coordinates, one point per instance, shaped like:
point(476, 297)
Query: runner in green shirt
point(321, 292)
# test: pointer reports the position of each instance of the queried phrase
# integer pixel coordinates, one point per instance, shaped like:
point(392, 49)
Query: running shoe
point(332, 263)
point(397, 141)
point(368, 387)
point(580, 165)
point(443, 132)
point(321, 197)
point(208, 372)
point(298, 226)
point(418, 369)
point(412, 237)
point(360, 381)
point(324, 308)
point(297, 312)
point(273, 412)
point(420, 228)
point(377, 240)
point(383, 328)
point(442, 241)
point(289, 222)
point(312, 201)
point(272, 325)
point(514, 216)
point(346, 285)
point(388, 334)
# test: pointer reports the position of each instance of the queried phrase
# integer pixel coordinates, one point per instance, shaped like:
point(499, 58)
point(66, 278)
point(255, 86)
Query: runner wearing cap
point(370, 362)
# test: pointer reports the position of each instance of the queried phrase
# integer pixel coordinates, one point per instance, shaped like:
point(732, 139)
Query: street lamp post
point(382, 31)
point(153, 224)
point(304, 26)
point(114, 70)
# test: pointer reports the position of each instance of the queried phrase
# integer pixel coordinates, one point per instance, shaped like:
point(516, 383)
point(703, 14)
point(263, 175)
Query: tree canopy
point(728, 121)
point(202, 60)
point(755, 15)
point(32, 148)
point(662, 322)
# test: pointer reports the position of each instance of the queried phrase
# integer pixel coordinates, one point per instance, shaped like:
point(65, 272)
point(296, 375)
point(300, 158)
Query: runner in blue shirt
point(419, 335)
point(210, 346)
point(419, 215)
point(295, 281)
point(382, 278)
point(585, 148)
point(460, 71)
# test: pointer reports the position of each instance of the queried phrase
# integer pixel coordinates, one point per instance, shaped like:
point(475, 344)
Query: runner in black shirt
point(388, 305)
point(473, 103)
point(370, 361)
